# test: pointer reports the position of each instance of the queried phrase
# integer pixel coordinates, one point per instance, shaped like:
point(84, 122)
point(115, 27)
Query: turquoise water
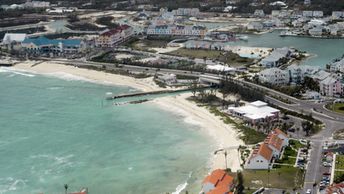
point(55, 131)
point(325, 50)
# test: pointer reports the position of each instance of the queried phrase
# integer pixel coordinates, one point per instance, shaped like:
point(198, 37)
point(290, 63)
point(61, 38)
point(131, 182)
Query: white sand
point(223, 134)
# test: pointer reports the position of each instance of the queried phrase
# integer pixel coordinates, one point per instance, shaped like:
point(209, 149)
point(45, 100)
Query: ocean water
point(61, 131)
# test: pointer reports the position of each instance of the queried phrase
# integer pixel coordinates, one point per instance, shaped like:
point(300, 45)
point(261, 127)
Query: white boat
point(243, 37)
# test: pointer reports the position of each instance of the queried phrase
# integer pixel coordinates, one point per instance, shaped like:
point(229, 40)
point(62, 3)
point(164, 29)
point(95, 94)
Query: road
point(333, 121)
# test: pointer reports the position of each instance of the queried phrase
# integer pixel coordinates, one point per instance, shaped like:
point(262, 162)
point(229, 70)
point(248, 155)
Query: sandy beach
point(224, 135)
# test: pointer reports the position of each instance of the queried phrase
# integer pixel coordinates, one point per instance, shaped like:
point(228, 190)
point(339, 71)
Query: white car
point(308, 191)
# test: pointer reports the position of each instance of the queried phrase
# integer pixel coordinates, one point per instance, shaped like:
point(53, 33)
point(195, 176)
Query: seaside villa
point(271, 148)
point(218, 182)
point(43, 45)
point(255, 112)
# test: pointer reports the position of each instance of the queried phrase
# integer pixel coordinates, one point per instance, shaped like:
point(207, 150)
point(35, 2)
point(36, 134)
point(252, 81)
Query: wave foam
point(68, 76)
point(182, 186)
point(15, 71)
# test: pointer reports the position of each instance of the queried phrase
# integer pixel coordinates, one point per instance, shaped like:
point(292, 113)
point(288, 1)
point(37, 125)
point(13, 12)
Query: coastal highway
point(332, 120)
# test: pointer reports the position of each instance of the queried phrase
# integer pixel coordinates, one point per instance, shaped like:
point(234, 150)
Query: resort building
point(43, 45)
point(111, 38)
point(320, 75)
point(11, 38)
point(218, 182)
point(337, 66)
point(337, 15)
point(168, 79)
point(274, 76)
point(297, 73)
point(331, 86)
point(258, 26)
point(186, 12)
point(255, 112)
point(176, 30)
point(276, 57)
point(272, 147)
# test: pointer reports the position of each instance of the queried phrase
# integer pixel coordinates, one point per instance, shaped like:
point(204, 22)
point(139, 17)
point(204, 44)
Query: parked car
point(308, 191)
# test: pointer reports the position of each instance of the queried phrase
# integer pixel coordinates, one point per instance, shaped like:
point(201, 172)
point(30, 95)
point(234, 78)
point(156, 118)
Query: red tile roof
point(221, 180)
point(337, 188)
point(280, 132)
point(265, 151)
point(274, 140)
point(115, 30)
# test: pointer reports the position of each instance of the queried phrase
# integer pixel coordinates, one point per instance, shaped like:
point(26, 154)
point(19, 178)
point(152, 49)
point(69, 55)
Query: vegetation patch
point(226, 57)
point(336, 107)
point(339, 134)
point(284, 177)
point(339, 162)
point(107, 21)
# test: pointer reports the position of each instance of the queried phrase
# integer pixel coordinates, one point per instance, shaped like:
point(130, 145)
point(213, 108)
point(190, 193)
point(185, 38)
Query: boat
point(243, 37)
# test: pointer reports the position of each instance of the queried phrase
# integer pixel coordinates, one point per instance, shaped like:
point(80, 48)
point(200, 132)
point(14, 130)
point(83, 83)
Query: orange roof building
point(218, 182)
point(271, 147)
point(335, 189)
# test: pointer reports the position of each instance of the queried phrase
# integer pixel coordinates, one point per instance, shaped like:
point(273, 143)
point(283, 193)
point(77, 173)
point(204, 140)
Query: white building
point(260, 158)
point(298, 73)
point(259, 13)
point(274, 76)
point(337, 14)
point(275, 57)
point(10, 38)
point(255, 112)
point(337, 66)
point(317, 31)
point(307, 13)
point(331, 86)
point(318, 14)
point(186, 12)
point(272, 147)
point(255, 26)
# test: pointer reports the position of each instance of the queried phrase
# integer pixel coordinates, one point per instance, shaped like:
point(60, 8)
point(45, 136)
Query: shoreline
point(223, 135)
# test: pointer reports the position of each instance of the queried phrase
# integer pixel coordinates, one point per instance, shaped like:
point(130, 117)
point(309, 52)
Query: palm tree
point(66, 188)
point(226, 158)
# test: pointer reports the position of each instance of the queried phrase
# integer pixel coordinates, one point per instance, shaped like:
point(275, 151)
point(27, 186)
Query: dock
point(113, 97)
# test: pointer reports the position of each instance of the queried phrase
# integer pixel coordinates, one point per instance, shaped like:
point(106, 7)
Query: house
point(177, 30)
point(259, 13)
point(186, 12)
point(255, 112)
point(317, 31)
point(335, 189)
point(307, 2)
point(331, 86)
point(272, 147)
point(274, 76)
point(337, 66)
point(37, 4)
point(43, 45)
point(255, 26)
point(275, 13)
point(110, 38)
point(275, 57)
point(218, 182)
point(10, 38)
point(337, 15)
point(307, 13)
point(318, 14)
point(260, 158)
point(320, 75)
point(298, 73)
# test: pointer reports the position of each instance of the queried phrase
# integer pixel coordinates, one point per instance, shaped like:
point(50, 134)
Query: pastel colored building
point(331, 86)
point(274, 76)
point(110, 38)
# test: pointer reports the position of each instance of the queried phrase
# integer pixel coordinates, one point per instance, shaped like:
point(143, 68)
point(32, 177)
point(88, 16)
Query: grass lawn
point(339, 162)
point(337, 107)
point(284, 177)
point(296, 144)
point(146, 44)
point(338, 176)
point(223, 56)
point(286, 159)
